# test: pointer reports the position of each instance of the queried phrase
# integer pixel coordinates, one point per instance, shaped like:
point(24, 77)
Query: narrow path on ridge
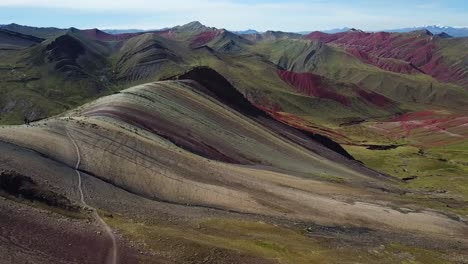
point(112, 255)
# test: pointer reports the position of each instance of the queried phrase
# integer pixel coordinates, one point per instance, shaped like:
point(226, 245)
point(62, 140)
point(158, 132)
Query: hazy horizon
point(261, 15)
point(234, 30)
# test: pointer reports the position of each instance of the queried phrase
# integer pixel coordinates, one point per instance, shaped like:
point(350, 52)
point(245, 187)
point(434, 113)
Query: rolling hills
point(176, 142)
point(194, 144)
point(418, 51)
point(115, 61)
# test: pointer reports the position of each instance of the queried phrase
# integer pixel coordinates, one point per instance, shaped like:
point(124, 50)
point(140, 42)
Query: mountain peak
point(73, 30)
point(196, 22)
point(193, 24)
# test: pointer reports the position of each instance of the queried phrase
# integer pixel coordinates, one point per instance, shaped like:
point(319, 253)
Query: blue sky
point(292, 15)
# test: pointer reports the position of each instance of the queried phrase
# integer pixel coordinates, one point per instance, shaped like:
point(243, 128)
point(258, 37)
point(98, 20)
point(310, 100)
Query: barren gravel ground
point(30, 235)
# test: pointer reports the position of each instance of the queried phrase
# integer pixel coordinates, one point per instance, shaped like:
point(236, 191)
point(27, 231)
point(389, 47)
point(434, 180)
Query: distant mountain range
point(123, 31)
point(50, 31)
point(331, 31)
point(246, 32)
point(336, 30)
point(436, 29)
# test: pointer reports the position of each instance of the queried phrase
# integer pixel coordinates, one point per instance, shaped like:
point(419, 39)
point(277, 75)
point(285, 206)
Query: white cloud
point(224, 13)
point(132, 5)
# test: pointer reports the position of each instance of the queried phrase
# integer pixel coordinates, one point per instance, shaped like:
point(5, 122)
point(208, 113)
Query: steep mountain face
point(145, 56)
point(64, 52)
point(71, 57)
point(223, 91)
point(52, 76)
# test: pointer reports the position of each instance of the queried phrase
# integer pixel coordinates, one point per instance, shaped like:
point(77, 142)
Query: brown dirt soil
point(29, 235)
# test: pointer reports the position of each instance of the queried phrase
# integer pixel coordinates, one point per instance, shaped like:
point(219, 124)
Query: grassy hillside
point(337, 64)
point(83, 65)
point(262, 149)
point(187, 164)
point(319, 86)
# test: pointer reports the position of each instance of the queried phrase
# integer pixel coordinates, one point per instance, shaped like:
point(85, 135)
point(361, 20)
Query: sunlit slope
point(176, 110)
point(148, 56)
point(146, 139)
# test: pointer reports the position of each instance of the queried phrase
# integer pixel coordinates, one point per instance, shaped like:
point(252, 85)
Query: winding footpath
point(112, 256)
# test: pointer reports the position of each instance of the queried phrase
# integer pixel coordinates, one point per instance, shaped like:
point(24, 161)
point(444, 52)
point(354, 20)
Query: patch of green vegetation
point(35, 84)
point(112, 66)
point(419, 255)
point(439, 174)
point(263, 240)
point(335, 63)
point(331, 178)
point(450, 50)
